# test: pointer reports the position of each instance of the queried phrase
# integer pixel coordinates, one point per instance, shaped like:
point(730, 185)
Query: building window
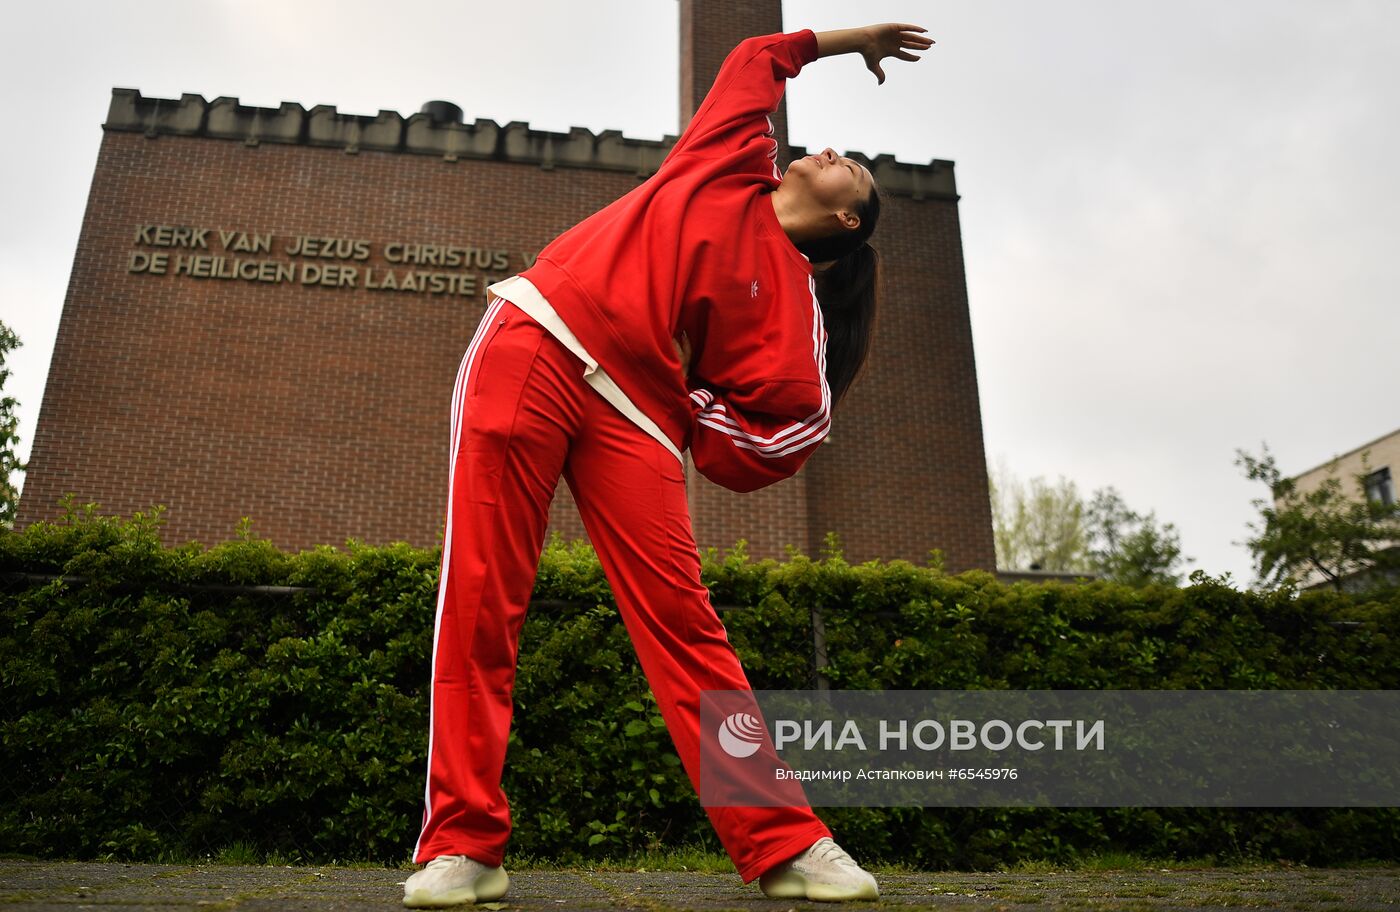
point(1380, 487)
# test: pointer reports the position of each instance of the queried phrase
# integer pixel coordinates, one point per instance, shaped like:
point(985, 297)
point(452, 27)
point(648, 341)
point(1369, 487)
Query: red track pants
point(522, 414)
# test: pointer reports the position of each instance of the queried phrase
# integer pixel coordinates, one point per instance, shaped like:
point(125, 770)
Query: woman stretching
point(721, 306)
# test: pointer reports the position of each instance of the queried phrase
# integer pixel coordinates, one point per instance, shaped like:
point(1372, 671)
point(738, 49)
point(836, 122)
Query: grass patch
point(891, 867)
point(1032, 866)
point(239, 853)
point(682, 858)
point(1117, 861)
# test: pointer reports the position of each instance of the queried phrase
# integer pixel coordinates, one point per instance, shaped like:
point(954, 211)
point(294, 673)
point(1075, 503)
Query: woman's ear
point(848, 219)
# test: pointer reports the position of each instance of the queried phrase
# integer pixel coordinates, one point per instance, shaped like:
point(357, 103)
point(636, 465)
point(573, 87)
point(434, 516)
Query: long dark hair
point(848, 294)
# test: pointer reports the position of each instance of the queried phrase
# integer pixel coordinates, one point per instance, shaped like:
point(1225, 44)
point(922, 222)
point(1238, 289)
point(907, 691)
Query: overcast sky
point(1180, 220)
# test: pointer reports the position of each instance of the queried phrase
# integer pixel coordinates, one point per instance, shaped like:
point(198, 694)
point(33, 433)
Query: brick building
point(267, 309)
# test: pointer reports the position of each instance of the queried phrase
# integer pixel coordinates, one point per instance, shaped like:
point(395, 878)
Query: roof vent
point(442, 112)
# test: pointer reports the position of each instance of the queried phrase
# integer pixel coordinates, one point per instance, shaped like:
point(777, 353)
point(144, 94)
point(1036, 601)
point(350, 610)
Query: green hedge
point(145, 710)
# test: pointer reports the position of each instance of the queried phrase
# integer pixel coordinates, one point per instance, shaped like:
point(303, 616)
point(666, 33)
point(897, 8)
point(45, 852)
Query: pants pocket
point(484, 355)
point(492, 426)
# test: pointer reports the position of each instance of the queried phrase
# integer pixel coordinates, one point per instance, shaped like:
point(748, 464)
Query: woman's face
point(833, 182)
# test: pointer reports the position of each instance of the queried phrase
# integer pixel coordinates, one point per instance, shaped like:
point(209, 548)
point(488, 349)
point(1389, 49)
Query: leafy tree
point(1130, 548)
point(9, 435)
point(1321, 531)
point(1040, 527)
point(1049, 527)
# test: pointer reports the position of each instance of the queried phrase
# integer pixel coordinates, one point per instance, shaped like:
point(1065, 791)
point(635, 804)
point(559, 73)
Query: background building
point(267, 309)
point(1374, 465)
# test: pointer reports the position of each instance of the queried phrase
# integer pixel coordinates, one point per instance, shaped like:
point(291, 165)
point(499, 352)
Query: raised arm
point(875, 43)
point(750, 82)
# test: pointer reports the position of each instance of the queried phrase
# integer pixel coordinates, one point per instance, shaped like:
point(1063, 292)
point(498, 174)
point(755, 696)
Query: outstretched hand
point(892, 39)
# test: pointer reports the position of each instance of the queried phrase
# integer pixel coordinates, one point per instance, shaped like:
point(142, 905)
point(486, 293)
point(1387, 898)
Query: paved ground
point(67, 886)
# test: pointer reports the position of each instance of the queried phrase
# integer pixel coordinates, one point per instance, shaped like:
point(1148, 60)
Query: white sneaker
point(824, 872)
point(451, 879)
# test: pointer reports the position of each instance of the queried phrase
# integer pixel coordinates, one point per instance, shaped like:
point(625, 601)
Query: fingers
point(915, 42)
point(905, 42)
point(901, 40)
point(909, 33)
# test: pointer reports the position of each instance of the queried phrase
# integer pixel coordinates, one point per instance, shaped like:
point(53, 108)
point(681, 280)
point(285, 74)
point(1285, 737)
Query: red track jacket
point(698, 249)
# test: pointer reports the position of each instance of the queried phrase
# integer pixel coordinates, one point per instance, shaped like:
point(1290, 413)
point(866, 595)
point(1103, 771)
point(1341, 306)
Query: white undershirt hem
point(521, 292)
